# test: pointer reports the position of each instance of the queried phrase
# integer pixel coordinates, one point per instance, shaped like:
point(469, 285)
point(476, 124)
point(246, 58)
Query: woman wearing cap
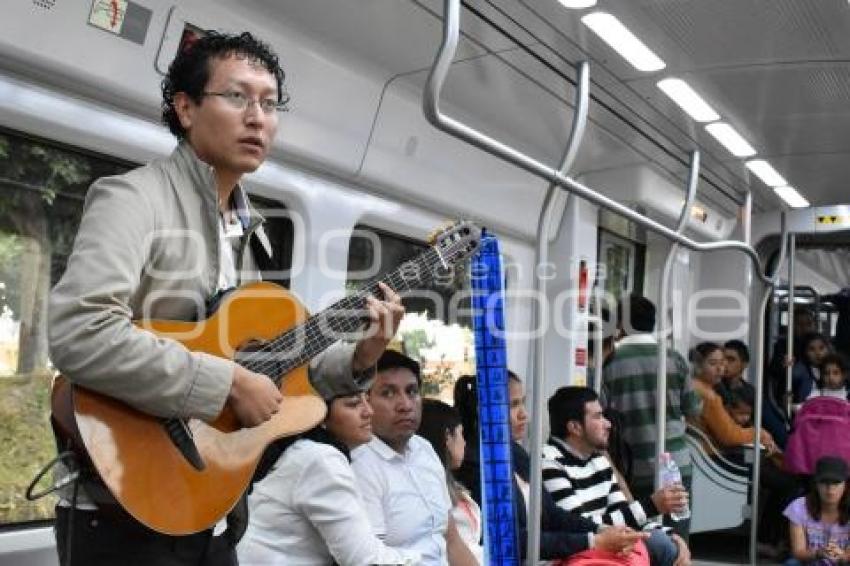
point(306, 508)
point(819, 521)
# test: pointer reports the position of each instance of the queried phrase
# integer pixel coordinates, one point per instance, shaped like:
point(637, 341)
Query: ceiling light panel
point(764, 171)
point(624, 42)
point(578, 4)
point(731, 139)
point(791, 197)
point(688, 100)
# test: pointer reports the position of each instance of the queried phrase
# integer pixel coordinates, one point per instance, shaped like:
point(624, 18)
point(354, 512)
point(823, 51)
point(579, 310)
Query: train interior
point(359, 177)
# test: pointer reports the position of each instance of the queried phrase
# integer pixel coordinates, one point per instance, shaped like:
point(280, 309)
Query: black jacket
point(562, 533)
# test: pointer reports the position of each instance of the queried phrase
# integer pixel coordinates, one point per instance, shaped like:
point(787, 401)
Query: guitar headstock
point(456, 241)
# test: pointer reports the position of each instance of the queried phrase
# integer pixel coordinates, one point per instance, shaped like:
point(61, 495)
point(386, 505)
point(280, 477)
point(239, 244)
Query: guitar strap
point(499, 515)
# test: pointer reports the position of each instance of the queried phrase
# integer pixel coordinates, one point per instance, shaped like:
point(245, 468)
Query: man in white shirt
point(401, 479)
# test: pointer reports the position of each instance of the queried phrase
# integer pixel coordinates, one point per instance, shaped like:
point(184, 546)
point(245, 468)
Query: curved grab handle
point(430, 107)
point(690, 191)
point(582, 105)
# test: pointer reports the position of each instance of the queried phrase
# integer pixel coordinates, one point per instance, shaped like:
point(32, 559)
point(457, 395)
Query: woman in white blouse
point(441, 426)
point(306, 510)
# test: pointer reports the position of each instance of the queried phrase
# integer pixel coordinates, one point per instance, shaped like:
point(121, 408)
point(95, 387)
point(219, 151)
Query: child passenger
point(833, 378)
point(806, 372)
point(819, 521)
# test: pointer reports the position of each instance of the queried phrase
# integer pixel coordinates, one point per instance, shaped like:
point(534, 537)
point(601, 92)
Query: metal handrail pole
point(430, 107)
point(789, 344)
point(747, 219)
point(767, 291)
point(538, 378)
point(661, 316)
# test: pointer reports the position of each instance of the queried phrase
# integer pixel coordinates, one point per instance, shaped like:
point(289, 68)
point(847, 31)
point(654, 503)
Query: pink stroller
point(821, 428)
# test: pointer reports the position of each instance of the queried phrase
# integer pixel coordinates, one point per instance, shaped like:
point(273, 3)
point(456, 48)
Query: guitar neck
point(341, 320)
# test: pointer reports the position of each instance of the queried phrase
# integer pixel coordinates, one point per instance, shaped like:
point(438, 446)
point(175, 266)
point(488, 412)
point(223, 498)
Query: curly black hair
point(190, 70)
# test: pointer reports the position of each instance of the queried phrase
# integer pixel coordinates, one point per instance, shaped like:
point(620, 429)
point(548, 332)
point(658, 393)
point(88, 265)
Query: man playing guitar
point(158, 243)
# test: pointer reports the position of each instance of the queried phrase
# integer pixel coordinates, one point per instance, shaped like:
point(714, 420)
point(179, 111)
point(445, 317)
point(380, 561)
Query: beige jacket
point(148, 248)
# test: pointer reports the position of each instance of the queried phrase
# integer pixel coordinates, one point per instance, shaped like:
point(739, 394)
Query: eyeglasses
point(240, 101)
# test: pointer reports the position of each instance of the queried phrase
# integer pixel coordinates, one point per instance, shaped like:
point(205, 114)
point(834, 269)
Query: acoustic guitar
point(181, 477)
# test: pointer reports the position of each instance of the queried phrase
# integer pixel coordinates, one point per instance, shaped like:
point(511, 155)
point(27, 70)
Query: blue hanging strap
point(500, 538)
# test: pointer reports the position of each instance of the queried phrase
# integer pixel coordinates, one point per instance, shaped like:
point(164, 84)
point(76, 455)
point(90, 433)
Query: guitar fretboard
point(343, 319)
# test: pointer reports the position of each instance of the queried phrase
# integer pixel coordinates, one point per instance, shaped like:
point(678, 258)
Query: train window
point(436, 329)
point(43, 187)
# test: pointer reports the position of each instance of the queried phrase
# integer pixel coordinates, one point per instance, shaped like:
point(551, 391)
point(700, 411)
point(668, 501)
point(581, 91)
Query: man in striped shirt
point(629, 383)
point(579, 475)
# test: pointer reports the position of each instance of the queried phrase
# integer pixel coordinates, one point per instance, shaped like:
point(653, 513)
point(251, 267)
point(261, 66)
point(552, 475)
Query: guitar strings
point(312, 334)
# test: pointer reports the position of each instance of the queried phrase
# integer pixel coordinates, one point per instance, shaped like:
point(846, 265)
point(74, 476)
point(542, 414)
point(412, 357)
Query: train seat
point(720, 488)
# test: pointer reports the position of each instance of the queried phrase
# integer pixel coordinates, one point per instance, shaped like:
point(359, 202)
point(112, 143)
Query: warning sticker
point(833, 219)
point(108, 14)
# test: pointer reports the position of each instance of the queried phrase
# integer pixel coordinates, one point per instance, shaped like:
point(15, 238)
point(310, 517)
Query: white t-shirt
point(307, 511)
point(405, 496)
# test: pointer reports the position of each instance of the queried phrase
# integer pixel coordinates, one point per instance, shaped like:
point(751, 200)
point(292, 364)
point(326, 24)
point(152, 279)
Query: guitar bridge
point(180, 434)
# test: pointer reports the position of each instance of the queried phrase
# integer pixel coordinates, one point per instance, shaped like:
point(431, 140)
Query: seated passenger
point(580, 478)
point(441, 427)
point(806, 372)
point(466, 404)
point(558, 538)
point(739, 395)
point(401, 479)
point(715, 420)
point(307, 510)
point(833, 378)
point(563, 535)
point(819, 531)
point(805, 323)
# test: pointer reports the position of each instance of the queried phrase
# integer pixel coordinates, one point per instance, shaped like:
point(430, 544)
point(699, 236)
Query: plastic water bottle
point(671, 475)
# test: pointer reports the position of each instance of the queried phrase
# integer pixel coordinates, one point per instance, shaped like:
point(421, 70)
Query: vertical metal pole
point(661, 317)
point(767, 291)
point(789, 371)
point(538, 378)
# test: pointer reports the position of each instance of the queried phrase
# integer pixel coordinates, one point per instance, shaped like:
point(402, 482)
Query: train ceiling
point(777, 70)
